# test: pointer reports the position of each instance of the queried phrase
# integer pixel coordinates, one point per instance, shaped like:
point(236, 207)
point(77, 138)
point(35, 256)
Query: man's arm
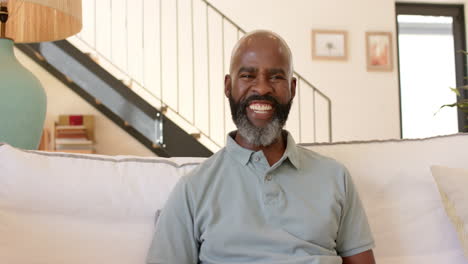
point(174, 240)
point(366, 257)
point(354, 241)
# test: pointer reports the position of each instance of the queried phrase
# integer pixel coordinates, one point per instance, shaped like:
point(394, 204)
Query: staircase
point(156, 68)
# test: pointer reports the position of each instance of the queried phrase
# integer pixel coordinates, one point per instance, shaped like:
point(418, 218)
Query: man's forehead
point(257, 53)
point(263, 46)
point(246, 65)
point(254, 62)
point(257, 44)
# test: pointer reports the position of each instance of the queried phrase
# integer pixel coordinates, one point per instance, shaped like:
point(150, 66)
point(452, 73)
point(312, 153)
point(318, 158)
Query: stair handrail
point(165, 107)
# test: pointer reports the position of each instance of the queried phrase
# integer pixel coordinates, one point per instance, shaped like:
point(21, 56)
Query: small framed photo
point(329, 45)
point(379, 51)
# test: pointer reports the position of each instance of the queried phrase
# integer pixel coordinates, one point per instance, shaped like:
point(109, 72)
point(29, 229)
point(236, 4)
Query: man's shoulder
point(323, 169)
point(207, 168)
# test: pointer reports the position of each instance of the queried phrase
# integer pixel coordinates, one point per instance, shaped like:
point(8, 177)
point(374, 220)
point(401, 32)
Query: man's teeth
point(260, 107)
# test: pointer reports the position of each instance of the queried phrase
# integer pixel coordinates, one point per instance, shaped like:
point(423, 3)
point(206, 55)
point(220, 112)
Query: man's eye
point(277, 77)
point(246, 76)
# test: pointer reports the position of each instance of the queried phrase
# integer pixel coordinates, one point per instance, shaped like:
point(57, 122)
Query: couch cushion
point(453, 184)
point(400, 195)
point(71, 208)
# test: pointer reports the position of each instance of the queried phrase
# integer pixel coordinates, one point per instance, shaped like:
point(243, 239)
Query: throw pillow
point(452, 185)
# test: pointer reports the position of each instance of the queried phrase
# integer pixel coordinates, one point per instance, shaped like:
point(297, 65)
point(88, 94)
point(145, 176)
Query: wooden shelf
point(74, 134)
point(82, 151)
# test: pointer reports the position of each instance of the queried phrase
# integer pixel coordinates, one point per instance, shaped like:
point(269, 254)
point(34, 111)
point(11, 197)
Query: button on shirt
point(236, 208)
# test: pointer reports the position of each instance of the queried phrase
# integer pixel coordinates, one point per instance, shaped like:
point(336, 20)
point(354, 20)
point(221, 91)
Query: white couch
point(69, 208)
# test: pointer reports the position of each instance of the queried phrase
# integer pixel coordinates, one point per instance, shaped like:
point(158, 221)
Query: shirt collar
point(291, 151)
point(239, 153)
point(243, 155)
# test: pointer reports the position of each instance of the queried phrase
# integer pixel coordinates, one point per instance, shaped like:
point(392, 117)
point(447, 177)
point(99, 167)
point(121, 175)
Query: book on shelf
point(71, 135)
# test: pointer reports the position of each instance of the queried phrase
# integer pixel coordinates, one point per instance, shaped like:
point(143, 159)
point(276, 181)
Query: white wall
point(365, 104)
point(110, 139)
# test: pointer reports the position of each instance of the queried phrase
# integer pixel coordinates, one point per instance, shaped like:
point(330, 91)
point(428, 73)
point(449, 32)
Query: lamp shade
point(43, 20)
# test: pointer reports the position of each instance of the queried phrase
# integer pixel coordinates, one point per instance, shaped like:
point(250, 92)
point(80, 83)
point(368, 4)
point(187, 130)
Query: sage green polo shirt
point(235, 208)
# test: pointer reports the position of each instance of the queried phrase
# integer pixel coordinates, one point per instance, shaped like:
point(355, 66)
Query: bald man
point(262, 198)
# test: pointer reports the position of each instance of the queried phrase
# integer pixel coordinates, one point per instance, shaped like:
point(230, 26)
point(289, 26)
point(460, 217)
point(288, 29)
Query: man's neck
point(272, 152)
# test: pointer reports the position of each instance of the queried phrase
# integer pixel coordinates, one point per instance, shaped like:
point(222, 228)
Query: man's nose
point(262, 86)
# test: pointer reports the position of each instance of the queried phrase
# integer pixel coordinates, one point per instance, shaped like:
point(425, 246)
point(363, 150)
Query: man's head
point(260, 86)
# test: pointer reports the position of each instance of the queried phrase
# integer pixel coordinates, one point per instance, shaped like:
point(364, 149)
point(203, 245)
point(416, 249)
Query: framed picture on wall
point(329, 45)
point(379, 51)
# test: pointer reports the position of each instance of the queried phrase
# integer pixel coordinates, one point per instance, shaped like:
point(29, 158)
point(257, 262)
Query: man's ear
point(293, 87)
point(227, 85)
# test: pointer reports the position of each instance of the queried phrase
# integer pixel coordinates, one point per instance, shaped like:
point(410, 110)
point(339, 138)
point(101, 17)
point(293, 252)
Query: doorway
point(430, 38)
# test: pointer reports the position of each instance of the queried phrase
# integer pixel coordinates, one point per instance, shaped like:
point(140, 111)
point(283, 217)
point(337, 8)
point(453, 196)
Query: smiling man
point(262, 198)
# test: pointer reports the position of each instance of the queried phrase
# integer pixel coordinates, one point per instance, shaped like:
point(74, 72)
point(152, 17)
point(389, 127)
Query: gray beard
point(258, 136)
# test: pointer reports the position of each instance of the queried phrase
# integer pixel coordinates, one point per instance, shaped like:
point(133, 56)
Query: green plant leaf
point(449, 105)
point(446, 105)
point(455, 90)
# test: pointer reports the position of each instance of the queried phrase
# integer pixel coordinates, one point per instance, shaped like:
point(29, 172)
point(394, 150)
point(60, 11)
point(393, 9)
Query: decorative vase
point(23, 101)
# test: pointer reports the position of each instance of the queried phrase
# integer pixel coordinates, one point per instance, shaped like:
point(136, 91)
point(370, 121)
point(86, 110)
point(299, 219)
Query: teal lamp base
point(23, 101)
